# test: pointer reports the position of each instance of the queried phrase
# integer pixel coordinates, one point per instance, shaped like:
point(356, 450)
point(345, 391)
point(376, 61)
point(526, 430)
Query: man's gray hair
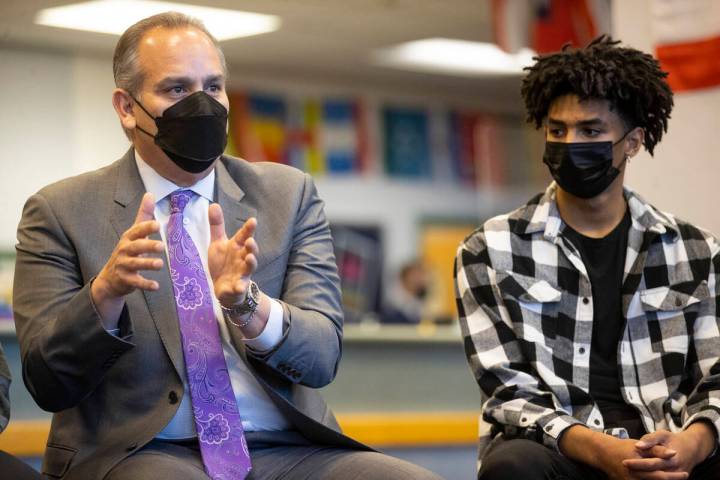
point(126, 69)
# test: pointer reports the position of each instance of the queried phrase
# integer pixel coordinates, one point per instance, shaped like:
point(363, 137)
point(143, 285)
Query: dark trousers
point(528, 460)
point(12, 468)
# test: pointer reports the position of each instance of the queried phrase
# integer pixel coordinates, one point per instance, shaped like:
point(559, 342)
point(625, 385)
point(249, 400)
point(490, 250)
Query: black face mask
point(192, 132)
point(583, 169)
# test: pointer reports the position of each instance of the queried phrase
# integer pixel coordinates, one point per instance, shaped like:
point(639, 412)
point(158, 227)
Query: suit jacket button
point(173, 397)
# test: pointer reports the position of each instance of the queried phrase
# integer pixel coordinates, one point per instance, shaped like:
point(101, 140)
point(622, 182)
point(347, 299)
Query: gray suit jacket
point(112, 395)
point(4, 391)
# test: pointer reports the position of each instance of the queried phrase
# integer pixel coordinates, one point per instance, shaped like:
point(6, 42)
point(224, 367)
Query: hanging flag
point(298, 137)
point(463, 146)
point(687, 39)
point(268, 117)
point(328, 136)
point(407, 142)
point(257, 127)
point(340, 139)
point(314, 154)
point(546, 25)
point(490, 159)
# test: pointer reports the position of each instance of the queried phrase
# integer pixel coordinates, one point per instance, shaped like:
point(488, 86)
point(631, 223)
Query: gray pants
point(11, 467)
point(275, 455)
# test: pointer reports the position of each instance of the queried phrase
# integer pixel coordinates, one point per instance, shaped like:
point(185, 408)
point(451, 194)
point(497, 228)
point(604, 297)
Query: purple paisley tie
point(217, 420)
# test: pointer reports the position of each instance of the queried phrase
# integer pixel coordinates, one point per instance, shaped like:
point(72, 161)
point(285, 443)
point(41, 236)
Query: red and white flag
point(687, 42)
point(546, 25)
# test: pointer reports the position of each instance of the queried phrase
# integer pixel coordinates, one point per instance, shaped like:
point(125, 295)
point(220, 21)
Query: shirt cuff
point(554, 426)
point(273, 331)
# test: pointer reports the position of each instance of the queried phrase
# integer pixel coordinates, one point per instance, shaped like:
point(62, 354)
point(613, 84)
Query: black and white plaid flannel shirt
point(526, 313)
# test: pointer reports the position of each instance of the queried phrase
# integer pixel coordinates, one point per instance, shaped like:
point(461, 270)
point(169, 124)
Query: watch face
point(252, 299)
point(251, 302)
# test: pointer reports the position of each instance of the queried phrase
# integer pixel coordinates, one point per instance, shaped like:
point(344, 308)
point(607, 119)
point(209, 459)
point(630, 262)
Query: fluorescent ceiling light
point(115, 16)
point(455, 57)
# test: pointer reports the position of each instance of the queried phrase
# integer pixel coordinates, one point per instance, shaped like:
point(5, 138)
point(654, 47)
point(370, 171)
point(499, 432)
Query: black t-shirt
point(604, 259)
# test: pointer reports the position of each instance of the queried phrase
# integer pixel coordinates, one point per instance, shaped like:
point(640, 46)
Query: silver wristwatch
point(249, 305)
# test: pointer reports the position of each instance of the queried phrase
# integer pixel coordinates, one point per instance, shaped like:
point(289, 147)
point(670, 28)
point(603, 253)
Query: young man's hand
point(609, 454)
point(617, 453)
point(692, 446)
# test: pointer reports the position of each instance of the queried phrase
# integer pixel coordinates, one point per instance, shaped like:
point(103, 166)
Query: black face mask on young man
point(192, 132)
point(583, 169)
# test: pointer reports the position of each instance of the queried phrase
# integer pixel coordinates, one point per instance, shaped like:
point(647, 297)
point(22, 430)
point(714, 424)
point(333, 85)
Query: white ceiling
point(327, 39)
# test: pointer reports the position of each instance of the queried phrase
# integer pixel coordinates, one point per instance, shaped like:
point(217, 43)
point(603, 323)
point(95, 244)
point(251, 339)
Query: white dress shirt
point(258, 412)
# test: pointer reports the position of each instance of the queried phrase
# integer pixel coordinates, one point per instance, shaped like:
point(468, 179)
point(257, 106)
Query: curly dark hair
point(630, 80)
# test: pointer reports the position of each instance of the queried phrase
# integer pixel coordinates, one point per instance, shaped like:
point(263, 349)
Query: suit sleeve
point(65, 349)
point(515, 400)
point(310, 350)
point(4, 391)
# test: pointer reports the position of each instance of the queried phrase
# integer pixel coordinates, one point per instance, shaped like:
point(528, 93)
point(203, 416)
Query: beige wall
point(683, 176)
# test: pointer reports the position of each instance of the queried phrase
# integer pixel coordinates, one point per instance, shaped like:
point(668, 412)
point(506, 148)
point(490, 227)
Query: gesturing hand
point(121, 273)
point(231, 261)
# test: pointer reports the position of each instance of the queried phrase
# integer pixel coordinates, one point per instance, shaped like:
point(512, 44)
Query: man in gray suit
point(113, 264)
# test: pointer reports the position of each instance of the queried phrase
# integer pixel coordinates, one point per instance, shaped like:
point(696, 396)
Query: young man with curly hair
point(589, 316)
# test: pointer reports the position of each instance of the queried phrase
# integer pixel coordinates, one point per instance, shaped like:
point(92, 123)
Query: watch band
point(242, 324)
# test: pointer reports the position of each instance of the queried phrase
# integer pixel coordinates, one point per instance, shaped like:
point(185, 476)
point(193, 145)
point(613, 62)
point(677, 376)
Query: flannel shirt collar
point(543, 216)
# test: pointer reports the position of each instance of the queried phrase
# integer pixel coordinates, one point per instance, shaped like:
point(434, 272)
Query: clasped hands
point(231, 261)
point(670, 456)
point(661, 455)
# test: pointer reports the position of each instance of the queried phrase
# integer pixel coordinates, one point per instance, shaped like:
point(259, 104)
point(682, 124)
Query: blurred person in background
point(590, 317)
point(178, 309)
point(10, 467)
point(406, 301)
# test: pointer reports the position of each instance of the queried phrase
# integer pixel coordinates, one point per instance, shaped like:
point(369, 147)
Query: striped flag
point(687, 42)
point(546, 25)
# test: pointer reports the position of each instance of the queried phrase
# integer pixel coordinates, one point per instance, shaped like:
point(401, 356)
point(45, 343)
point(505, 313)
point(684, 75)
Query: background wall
point(58, 121)
point(683, 176)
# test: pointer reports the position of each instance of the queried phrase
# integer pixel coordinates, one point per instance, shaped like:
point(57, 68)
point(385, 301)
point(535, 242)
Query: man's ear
point(123, 104)
point(634, 141)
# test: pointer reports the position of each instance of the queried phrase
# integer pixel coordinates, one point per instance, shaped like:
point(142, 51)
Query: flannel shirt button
point(548, 428)
point(596, 421)
point(586, 300)
point(678, 302)
point(581, 350)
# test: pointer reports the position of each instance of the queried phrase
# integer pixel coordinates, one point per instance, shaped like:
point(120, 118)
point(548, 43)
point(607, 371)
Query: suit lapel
point(231, 198)
point(161, 306)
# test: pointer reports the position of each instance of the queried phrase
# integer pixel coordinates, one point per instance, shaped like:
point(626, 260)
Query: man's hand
point(609, 454)
point(692, 445)
point(121, 274)
point(619, 452)
point(231, 260)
